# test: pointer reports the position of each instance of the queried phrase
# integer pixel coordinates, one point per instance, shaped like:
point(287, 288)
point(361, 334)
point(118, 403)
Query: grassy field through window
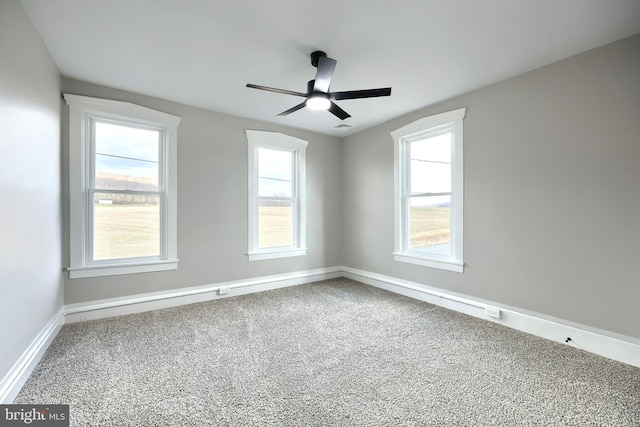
point(429, 226)
point(275, 228)
point(132, 230)
point(126, 231)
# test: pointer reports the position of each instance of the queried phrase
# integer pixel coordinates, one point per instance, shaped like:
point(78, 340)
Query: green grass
point(126, 231)
point(429, 226)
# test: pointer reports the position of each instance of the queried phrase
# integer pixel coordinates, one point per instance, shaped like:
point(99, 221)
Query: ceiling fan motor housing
point(310, 91)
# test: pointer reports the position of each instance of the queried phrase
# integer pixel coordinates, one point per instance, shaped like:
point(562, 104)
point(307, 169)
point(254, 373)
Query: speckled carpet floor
point(332, 353)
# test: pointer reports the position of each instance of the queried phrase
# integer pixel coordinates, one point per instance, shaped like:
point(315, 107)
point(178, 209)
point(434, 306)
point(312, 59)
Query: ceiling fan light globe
point(318, 103)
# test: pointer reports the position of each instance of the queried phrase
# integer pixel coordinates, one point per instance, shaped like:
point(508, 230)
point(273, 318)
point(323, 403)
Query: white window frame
point(449, 121)
point(277, 141)
point(84, 111)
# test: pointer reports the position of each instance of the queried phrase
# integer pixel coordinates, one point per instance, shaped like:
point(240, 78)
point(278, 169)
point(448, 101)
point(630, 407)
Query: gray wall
point(552, 192)
point(212, 202)
point(30, 214)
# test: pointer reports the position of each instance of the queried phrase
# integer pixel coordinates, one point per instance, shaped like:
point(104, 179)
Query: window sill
point(440, 264)
point(257, 256)
point(116, 269)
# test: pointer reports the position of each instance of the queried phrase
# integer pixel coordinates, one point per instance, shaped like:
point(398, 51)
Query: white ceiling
point(203, 52)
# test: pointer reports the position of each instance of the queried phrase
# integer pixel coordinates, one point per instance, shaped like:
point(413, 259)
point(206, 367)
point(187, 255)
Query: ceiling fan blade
point(293, 109)
point(366, 93)
point(326, 67)
point(338, 112)
point(273, 89)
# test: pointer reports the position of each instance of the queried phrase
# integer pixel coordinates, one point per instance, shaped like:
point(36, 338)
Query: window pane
point(275, 223)
point(126, 226)
point(430, 224)
point(274, 173)
point(431, 164)
point(275, 164)
point(268, 187)
point(126, 157)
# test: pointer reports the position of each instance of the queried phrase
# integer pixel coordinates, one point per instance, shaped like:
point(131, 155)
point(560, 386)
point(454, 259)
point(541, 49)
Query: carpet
point(331, 353)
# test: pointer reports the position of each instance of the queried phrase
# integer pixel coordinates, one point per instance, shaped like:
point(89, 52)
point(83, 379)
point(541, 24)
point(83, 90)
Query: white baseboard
point(22, 369)
point(176, 297)
point(616, 347)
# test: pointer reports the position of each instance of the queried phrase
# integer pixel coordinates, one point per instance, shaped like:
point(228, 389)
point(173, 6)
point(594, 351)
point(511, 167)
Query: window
point(428, 191)
point(122, 180)
point(276, 195)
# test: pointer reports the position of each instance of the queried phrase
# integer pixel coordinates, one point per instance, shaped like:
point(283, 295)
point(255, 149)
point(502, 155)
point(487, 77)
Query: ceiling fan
point(318, 96)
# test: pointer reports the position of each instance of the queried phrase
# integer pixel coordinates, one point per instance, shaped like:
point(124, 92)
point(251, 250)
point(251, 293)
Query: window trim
point(277, 141)
point(83, 111)
point(403, 136)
